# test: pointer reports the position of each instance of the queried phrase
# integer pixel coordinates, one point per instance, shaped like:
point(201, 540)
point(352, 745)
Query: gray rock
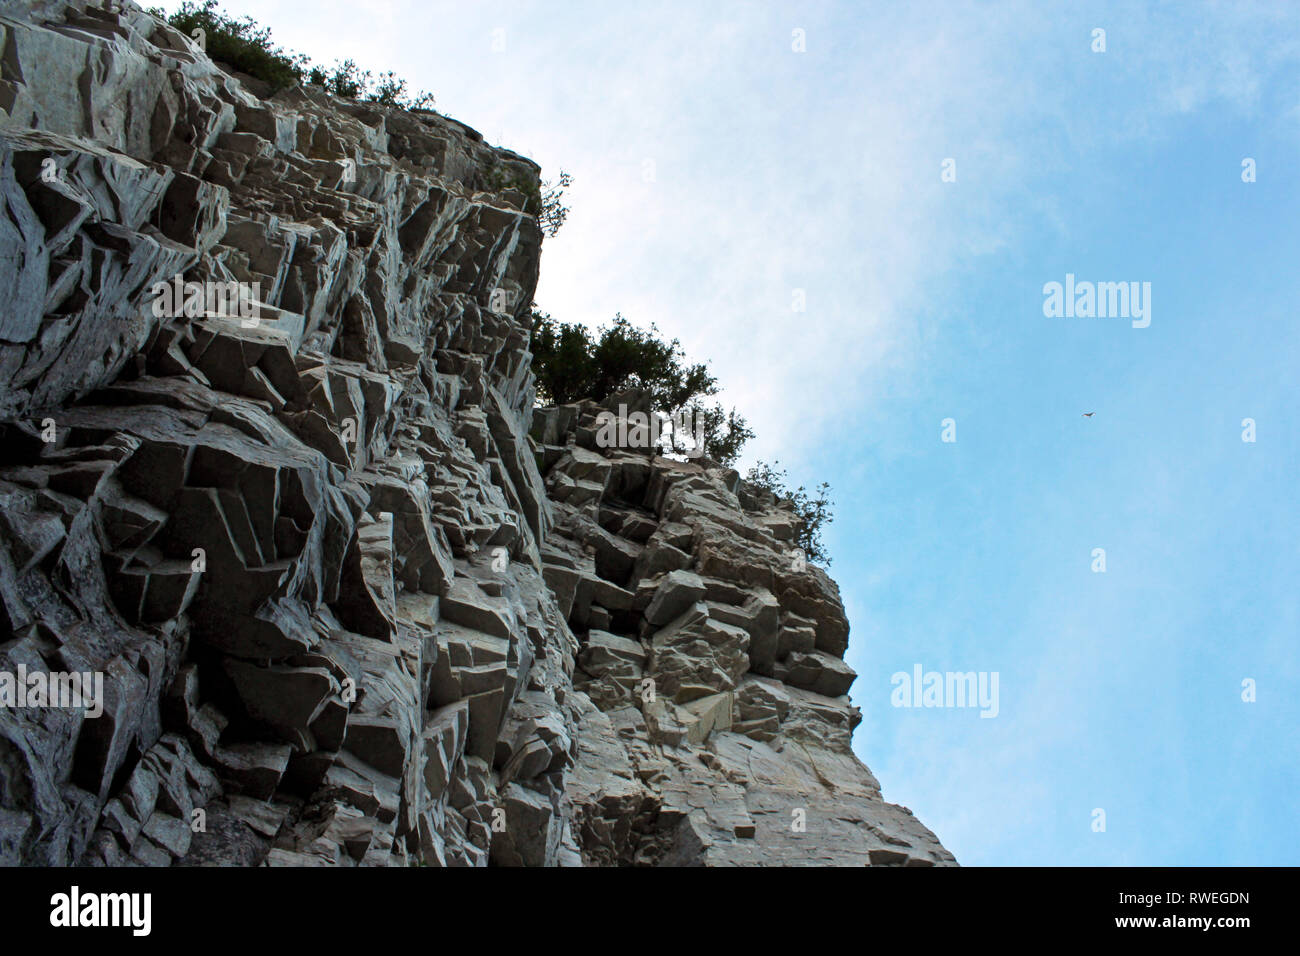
point(355, 600)
point(676, 592)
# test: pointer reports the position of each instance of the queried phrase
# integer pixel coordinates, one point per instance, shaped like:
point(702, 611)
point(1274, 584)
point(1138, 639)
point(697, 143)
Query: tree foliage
point(813, 509)
point(544, 200)
point(725, 432)
point(239, 43)
point(247, 48)
point(347, 80)
point(571, 364)
point(552, 212)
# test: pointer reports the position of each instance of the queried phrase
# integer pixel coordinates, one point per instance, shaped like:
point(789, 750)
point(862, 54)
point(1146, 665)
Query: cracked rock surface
point(354, 599)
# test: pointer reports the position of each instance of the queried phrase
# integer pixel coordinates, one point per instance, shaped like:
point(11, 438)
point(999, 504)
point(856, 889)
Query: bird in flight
point(1088, 414)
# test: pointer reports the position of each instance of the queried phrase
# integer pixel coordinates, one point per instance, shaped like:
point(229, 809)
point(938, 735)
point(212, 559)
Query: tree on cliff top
point(570, 364)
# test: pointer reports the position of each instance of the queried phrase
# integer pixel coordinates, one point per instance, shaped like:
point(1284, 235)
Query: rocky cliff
point(353, 599)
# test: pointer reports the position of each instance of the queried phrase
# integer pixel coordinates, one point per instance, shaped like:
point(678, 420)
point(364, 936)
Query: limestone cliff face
point(351, 596)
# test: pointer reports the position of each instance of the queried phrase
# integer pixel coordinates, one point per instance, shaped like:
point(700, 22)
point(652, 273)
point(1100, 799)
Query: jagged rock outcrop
point(271, 467)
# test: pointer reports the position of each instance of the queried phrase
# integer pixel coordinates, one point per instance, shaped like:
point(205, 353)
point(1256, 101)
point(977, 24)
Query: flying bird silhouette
point(1088, 414)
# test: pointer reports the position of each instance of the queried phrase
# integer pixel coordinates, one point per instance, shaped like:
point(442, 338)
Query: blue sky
point(716, 171)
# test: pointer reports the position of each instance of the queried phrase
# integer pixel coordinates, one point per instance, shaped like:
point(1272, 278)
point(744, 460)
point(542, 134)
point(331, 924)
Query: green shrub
point(725, 432)
point(543, 200)
point(240, 44)
point(348, 81)
point(345, 80)
point(813, 510)
point(570, 364)
point(247, 48)
point(553, 212)
point(390, 90)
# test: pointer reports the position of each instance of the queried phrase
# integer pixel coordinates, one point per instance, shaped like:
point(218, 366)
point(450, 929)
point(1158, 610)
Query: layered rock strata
point(353, 599)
